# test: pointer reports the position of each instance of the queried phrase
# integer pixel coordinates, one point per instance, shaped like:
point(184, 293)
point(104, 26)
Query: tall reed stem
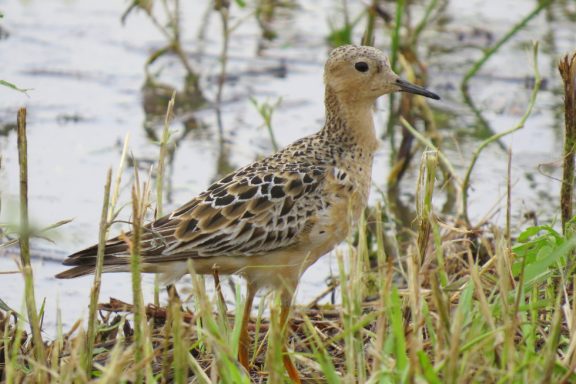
point(161, 170)
point(139, 204)
point(424, 193)
point(25, 244)
point(162, 156)
point(567, 68)
point(95, 292)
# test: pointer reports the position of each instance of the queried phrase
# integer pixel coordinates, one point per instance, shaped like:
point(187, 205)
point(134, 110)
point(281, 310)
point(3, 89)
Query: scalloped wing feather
point(253, 213)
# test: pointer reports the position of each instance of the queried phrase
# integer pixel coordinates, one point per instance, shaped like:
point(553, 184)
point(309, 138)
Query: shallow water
point(86, 72)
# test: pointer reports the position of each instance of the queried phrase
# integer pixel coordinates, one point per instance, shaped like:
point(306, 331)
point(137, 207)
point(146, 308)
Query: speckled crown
point(347, 52)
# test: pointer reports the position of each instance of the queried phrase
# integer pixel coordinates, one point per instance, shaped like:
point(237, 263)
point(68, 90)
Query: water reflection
point(156, 95)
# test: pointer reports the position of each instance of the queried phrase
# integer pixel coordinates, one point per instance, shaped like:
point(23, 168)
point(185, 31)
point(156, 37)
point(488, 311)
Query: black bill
point(415, 89)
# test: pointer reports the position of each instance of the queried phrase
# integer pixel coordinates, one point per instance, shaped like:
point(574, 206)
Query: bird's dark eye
point(361, 66)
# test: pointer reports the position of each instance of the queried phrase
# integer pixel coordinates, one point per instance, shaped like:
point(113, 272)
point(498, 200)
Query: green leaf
point(98, 351)
point(528, 233)
point(534, 252)
point(5, 307)
point(547, 256)
point(398, 330)
point(427, 368)
point(320, 354)
point(465, 302)
point(14, 87)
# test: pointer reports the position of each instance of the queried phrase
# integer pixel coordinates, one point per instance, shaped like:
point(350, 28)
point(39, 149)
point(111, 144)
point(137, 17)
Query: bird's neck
point(349, 121)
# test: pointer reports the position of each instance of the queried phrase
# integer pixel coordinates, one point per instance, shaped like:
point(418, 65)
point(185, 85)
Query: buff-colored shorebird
point(272, 219)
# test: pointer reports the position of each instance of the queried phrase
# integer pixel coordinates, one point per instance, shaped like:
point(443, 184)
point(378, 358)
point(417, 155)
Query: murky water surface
point(86, 71)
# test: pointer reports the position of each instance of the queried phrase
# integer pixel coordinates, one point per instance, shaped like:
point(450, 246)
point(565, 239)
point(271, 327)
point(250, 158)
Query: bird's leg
point(244, 346)
point(286, 302)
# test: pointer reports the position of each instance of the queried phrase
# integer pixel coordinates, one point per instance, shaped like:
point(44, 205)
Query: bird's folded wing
point(249, 212)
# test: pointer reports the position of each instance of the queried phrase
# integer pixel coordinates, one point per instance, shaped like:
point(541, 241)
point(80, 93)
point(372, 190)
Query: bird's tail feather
point(83, 270)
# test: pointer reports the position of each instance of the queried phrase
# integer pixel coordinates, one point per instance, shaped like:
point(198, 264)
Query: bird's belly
point(274, 269)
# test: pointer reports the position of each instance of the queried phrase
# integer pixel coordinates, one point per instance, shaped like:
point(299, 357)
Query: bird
point(272, 219)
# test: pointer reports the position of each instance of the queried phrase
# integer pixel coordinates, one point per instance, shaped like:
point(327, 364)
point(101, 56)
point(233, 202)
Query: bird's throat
point(350, 120)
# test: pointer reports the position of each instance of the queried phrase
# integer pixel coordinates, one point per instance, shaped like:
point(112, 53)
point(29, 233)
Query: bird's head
point(363, 74)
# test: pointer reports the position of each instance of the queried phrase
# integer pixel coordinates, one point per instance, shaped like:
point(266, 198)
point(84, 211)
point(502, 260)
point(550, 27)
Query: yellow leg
point(244, 335)
point(284, 323)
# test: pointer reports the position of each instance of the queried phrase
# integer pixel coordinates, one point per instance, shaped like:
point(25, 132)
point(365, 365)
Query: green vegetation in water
point(266, 110)
point(165, 15)
point(489, 53)
point(15, 87)
point(341, 34)
point(498, 136)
